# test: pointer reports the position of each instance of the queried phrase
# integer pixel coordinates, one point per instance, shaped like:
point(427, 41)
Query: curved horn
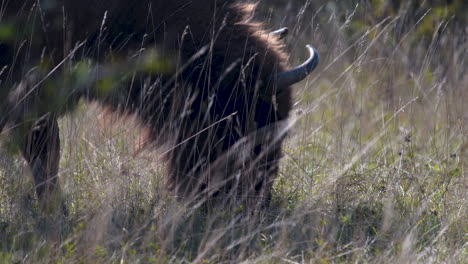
point(299, 73)
point(281, 33)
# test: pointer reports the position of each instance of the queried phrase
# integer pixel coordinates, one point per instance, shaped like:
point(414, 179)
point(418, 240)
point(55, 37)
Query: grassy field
point(374, 171)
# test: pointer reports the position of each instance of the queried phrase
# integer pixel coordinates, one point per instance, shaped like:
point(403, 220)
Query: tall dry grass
point(374, 168)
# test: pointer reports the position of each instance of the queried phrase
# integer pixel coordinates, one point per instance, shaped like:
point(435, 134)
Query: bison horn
point(281, 33)
point(299, 73)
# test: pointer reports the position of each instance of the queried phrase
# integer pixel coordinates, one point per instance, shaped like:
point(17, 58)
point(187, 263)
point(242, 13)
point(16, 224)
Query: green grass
point(374, 169)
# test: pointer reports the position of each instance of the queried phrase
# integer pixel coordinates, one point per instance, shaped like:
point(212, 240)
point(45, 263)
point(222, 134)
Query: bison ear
point(280, 33)
point(299, 73)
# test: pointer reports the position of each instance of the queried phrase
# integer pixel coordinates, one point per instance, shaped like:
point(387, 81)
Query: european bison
point(221, 100)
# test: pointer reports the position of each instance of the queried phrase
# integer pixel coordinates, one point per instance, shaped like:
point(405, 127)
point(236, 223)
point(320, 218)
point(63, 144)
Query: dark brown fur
point(222, 113)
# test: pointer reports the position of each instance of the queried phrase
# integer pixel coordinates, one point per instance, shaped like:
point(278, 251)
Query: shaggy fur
point(217, 106)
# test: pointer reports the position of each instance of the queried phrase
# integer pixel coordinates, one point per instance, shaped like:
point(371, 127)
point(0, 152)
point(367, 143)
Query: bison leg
point(187, 163)
point(41, 149)
point(266, 165)
point(197, 147)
